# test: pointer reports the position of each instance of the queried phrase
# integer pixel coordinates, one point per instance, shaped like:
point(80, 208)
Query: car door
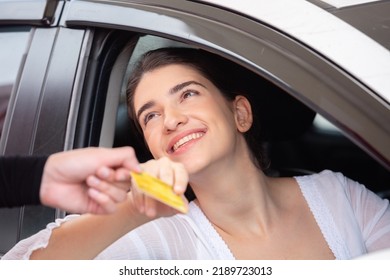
point(46, 62)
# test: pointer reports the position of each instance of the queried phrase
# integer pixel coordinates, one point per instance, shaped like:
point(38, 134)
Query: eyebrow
point(173, 90)
point(179, 87)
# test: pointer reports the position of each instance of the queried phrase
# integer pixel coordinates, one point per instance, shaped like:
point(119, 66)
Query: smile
point(186, 139)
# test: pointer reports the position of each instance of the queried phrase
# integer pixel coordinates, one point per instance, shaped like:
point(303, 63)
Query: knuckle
point(130, 151)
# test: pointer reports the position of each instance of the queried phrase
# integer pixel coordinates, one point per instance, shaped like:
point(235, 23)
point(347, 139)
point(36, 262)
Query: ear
point(243, 113)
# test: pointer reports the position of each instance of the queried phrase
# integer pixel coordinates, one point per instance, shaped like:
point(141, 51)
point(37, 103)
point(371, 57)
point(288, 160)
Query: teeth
point(187, 138)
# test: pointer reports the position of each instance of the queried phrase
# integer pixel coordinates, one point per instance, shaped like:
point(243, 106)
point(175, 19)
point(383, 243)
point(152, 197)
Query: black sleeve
point(20, 180)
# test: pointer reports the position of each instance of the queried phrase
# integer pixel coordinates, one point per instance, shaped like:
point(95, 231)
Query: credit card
point(159, 190)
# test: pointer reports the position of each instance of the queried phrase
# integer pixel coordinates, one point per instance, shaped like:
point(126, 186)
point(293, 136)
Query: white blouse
point(353, 220)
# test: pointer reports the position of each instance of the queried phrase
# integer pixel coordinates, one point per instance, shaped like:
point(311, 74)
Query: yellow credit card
point(159, 190)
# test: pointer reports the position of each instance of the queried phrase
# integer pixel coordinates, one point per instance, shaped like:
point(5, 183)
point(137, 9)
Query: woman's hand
point(170, 172)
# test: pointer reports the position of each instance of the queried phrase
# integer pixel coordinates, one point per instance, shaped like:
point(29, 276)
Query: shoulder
point(351, 216)
point(326, 191)
point(326, 181)
point(336, 189)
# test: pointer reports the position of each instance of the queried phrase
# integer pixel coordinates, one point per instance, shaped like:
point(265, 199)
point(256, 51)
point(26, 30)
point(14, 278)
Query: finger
point(129, 157)
point(105, 173)
point(106, 205)
point(181, 179)
point(117, 192)
point(122, 175)
point(166, 174)
point(151, 167)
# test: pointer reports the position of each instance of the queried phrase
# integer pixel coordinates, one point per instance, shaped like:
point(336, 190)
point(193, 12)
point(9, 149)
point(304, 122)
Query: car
point(64, 66)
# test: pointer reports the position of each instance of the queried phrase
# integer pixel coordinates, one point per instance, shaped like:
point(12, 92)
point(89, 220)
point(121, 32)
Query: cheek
point(223, 116)
point(153, 141)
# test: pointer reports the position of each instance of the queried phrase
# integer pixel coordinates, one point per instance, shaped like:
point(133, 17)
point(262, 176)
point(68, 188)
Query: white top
point(353, 220)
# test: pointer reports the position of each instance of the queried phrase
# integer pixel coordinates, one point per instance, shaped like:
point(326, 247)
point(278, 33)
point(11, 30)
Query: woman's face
point(185, 117)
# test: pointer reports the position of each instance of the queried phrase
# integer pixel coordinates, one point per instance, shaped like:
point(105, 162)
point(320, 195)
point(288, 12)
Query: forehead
point(169, 74)
point(159, 81)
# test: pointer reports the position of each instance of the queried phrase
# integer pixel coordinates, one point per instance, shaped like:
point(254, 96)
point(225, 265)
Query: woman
point(192, 110)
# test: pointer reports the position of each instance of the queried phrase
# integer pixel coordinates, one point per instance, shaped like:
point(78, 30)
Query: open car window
point(304, 142)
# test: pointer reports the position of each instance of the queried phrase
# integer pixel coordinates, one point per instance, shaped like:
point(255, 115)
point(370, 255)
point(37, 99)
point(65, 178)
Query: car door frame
point(37, 117)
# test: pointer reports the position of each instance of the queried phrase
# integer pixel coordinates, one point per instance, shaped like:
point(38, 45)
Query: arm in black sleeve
point(20, 180)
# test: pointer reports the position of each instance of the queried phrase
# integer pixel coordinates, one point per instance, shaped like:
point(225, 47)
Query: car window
point(303, 152)
point(13, 45)
point(322, 124)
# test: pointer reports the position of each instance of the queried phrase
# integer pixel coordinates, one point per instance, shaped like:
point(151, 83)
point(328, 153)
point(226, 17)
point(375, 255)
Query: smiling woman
point(197, 82)
point(194, 110)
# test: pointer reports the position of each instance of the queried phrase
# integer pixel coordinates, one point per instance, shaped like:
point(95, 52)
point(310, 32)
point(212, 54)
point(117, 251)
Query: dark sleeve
point(20, 180)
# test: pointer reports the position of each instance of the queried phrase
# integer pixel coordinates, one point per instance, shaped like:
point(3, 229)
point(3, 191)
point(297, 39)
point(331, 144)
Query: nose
point(173, 118)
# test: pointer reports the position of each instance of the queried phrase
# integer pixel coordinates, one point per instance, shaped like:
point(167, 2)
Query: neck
point(228, 197)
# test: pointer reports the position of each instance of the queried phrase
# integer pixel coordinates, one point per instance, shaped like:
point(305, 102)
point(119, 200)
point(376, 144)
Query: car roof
point(353, 34)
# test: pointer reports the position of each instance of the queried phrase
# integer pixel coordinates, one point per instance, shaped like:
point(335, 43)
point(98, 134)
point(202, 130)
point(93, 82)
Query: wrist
point(130, 214)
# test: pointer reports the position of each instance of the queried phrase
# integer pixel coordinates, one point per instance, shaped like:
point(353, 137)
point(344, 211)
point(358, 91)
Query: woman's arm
point(88, 235)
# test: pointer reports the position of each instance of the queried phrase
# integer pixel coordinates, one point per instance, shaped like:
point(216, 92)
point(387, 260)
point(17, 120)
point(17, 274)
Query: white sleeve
point(24, 248)
point(165, 238)
point(162, 239)
point(141, 243)
point(353, 219)
point(372, 214)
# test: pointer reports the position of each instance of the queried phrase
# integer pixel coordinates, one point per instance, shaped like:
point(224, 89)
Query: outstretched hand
point(89, 180)
point(172, 173)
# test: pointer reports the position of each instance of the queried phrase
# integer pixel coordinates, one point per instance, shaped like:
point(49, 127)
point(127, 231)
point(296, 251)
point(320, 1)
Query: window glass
point(323, 125)
point(13, 45)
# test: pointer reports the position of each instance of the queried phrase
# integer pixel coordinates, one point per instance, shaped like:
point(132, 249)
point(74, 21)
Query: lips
point(180, 141)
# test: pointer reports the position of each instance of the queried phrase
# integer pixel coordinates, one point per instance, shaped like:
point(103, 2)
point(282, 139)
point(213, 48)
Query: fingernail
point(138, 168)
point(179, 189)
point(93, 181)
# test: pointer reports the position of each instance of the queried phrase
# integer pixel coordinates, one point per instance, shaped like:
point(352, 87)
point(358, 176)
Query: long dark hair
point(230, 78)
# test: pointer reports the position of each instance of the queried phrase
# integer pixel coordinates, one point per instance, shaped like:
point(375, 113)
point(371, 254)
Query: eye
point(189, 93)
point(149, 116)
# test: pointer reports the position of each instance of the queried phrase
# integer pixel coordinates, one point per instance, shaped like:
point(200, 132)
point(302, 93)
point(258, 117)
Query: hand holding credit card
point(157, 189)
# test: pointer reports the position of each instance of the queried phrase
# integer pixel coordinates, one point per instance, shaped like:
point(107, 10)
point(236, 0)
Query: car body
point(64, 66)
